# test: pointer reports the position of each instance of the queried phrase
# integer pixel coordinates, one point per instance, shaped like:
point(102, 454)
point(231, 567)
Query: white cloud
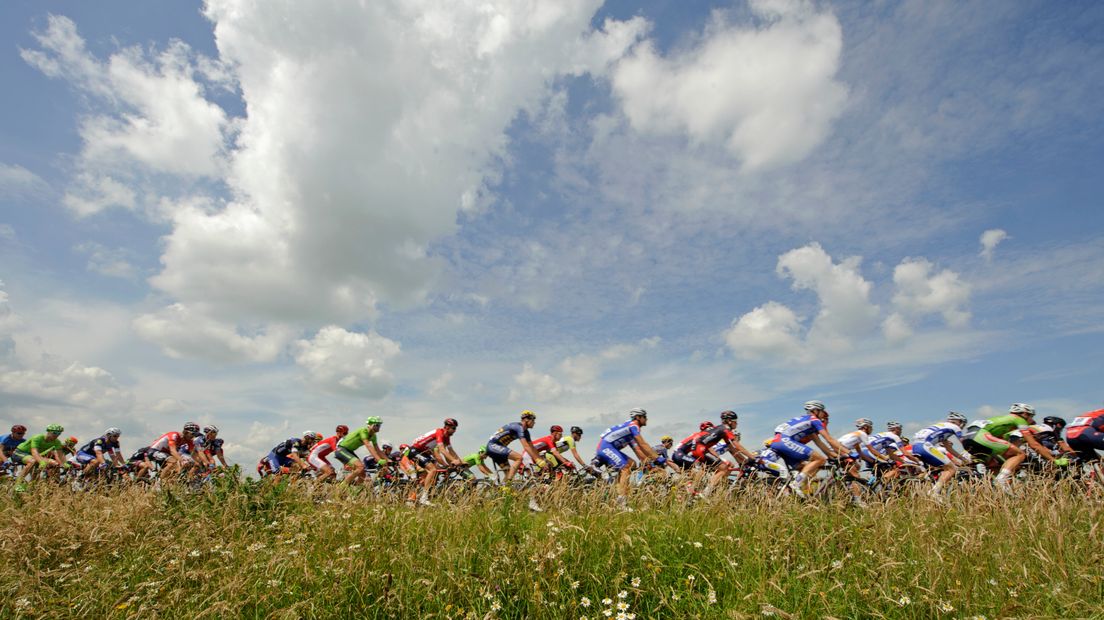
point(920, 292)
point(585, 369)
point(531, 385)
point(769, 331)
point(112, 262)
point(349, 363)
point(440, 384)
point(767, 93)
point(846, 312)
point(93, 193)
point(183, 332)
point(158, 115)
point(17, 181)
point(989, 240)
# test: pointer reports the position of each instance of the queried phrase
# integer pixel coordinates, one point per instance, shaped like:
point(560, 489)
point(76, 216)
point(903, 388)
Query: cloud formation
point(989, 240)
point(348, 363)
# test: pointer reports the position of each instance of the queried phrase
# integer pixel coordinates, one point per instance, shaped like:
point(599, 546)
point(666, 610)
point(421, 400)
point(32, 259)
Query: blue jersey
point(621, 434)
point(11, 443)
point(886, 442)
point(213, 446)
point(102, 444)
point(938, 433)
point(284, 448)
point(800, 429)
point(510, 432)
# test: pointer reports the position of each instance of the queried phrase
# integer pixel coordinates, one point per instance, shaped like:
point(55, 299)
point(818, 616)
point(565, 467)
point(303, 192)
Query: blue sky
point(285, 219)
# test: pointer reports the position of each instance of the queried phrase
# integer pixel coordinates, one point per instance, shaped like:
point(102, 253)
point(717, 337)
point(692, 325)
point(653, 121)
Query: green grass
point(273, 552)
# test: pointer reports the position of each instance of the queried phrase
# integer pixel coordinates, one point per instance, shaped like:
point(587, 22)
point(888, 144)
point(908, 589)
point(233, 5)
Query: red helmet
point(704, 426)
point(342, 429)
point(451, 422)
point(403, 447)
point(556, 428)
point(18, 429)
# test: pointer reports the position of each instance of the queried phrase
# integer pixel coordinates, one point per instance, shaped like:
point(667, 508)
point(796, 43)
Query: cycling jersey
point(40, 443)
point(1093, 420)
point(1086, 435)
point(565, 444)
point(937, 433)
point(662, 456)
point(855, 439)
point(321, 450)
point(10, 442)
point(1002, 425)
point(100, 444)
point(173, 439)
point(209, 447)
point(800, 429)
point(356, 439)
point(280, 456)
point(621, 435)
point(712, 437)
point(431, 440)
point(510, 432)
point(1044, 434)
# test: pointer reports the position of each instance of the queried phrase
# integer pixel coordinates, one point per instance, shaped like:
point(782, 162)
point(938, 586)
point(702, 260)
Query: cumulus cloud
point(530, 384)
point(112, 262)
point(584, 369)
point(989, 240)
point(159, 116)
point(769, 331)
point(182, 332)
point(846, 312)
point(921, 292)
point(349, 363)
point(766, 93)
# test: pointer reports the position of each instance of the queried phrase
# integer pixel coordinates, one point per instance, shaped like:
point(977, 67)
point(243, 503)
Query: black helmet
point(729, 415)
point(576, 429)
point(1055, 422)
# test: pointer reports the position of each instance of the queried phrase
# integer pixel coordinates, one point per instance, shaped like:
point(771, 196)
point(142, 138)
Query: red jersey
point(430, 440)
point(544, 444)
point(1092, 419)
point(171, 439)
point(686, 444)
point(325, 446)
point(712, 437)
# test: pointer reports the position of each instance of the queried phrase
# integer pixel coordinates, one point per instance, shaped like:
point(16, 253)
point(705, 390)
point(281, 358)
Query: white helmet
point(113, 432)
point(864, 422)
point(956, 417)
point(1022, 408)
point(893, 424)
point(814, 405)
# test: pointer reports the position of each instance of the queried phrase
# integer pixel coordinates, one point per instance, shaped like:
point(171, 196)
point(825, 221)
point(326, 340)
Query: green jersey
point(356, 439)
point(1002, 425)
point(474, 459)
point(40, 443)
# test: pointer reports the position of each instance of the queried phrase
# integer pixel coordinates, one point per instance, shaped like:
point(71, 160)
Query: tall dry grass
point(269, 551)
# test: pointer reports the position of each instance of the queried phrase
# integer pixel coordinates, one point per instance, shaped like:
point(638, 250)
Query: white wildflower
point(635, 582)
point(903, 601)
point(585, 602)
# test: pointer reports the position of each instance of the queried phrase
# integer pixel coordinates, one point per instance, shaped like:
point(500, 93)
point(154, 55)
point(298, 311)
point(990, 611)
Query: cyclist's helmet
point(373, 420)
point(556, 428)
point(637, 413)
point(311, 435)
point(1055, 422)
point(55, 429)
point(1022, 409)
point(704, 426)
point(114, 432)
point(576, 429)
point(403, 447)
point(451, 422)
point(729, 415)
point(19, 429)
point(342, 429)
point(665, 439)
point(71, 441)
point(528, 415)
point(864, 423)
point(210, 428)
point(386, 448)
point(191, 427)
point(482, 450)
point(957, 418)
point(814, 405)
point(893, 425)
point(1015, 435)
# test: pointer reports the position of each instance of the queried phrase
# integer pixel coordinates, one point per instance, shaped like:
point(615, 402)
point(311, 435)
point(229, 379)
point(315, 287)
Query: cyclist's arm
point(876, 453)
point(528, 447)
point(453, 456)
point(486, 470)
point(578, 458)
point(819, 440)
point(222, 458)
point(1038, 447)
point(375, 451)
point(559, 457)
point(955, 453)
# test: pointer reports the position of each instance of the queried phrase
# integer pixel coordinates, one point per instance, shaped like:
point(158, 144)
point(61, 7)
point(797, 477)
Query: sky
point(282, 216)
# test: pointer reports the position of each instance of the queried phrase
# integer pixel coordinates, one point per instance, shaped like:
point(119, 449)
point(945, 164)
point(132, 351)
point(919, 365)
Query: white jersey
point(855, 439)
point(938, 433)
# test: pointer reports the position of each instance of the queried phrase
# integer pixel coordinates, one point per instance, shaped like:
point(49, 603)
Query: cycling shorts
point(158, 456)
point(994, 446)
point(275, 462)
point(793, 452)
point(930, 454)
point(345, 455)
point(1087, 443)
point(611, 457)
point(421, 458)
point(21, 458)
point(318, 460)
point(499, 453)
point(85, 458)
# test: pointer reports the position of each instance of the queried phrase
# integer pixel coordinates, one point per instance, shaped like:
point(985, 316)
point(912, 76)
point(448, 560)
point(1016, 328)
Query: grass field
point(262, 551)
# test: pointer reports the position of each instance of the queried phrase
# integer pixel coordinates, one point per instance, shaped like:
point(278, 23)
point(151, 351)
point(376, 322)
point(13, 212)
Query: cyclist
point(208, 447)
point(990, 441)
point(682, 457)
point(498, 445)
point(169, 450)
point(664, 458)
point(933, 447)
point(92, 455)
point(1085, 435)
point(376, 465)
point(854, 442)
point(322, 449)
point(546, 447)
point(790, 439)
point(365, 436)
point(1045, 441)
point(616, 438)
point(433, 451)
point(725, 431)
point(40, 451)
point(890, 443)
point(286, 455)
point(11, 441)
point(477, 459)
point(567, 443)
